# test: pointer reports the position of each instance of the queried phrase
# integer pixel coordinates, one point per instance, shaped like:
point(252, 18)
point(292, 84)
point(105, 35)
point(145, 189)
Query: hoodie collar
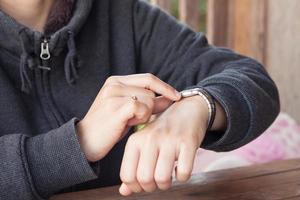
point(27, 44)
point(10, 30)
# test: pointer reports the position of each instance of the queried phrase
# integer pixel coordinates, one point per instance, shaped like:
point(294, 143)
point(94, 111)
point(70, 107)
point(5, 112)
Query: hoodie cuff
point(56, 160)
point(237, 114)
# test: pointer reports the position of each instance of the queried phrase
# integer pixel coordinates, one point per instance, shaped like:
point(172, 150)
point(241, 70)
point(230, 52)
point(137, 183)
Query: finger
point(185, 162)
point(161, 104)
point(164, 167)
point(146, 168)
point(151, 82)
point(129, 168)
point(134, 110)
point(143, 117)
point(125, 190)
point(121, 90)
point(157, 104)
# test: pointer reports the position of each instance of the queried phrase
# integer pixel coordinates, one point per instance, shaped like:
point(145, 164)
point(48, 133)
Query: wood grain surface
point(283, 52)
point(274, 181)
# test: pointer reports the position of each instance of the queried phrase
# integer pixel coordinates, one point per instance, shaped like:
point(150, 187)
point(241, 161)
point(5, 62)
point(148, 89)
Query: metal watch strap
point(209, 101)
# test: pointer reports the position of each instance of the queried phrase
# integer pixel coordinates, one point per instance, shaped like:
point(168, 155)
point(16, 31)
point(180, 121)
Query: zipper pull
point(45, 55)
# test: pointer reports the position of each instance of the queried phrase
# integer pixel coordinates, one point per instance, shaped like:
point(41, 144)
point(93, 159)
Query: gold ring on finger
point(134, 98)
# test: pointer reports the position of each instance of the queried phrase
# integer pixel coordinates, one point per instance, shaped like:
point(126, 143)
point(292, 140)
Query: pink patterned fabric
point(281, 141)
point(264, 149)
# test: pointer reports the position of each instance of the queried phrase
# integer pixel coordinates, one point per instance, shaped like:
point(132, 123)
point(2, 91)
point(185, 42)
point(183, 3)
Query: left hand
point(151, 153)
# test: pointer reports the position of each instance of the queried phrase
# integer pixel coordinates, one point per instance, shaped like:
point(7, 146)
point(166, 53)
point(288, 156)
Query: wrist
point(84, 142)
point(217, 120)
point(198, 102)
point(208, 99)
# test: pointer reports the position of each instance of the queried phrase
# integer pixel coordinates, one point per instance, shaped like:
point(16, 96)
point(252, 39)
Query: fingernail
point(178, 94)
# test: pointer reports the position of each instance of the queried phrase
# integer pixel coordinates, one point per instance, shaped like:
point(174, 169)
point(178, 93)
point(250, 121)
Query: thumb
point(161, 104)
point(124, 190)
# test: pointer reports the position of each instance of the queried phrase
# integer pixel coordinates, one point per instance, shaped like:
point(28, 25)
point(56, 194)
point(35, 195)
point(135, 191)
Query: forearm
point(37, 167)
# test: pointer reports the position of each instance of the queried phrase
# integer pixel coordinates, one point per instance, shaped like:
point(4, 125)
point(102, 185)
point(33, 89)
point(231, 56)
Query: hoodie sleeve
point(37, 167)
point(184, 59)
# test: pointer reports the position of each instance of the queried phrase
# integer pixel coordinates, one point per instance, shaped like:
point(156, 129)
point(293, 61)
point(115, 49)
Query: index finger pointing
point(151, 82)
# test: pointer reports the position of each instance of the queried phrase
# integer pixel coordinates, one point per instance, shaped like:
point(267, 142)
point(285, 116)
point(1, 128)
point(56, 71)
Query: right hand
point(115, 110)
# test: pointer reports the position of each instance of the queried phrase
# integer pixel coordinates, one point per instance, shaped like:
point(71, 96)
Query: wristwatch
point(211, 104)
point(207, 98)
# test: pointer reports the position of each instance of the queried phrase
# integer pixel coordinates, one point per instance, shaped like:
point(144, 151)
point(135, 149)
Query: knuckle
point(144, 115)
point(132, 140)
point(151, 104)
point(133, 105)
point(127, 179)
point(145, 179)
point(163, 180)
point(107, 89)
point(111, 79)
point(144, 120)
point(115, 86)
point(151, 94)
point(150, 77)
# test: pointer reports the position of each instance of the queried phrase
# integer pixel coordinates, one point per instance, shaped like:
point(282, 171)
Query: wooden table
point(274, 181)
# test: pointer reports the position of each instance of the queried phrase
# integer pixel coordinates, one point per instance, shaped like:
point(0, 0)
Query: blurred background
point(269, 31)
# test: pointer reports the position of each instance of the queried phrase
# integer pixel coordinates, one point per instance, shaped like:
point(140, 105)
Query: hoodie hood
point(35, 48)
point(59, 16)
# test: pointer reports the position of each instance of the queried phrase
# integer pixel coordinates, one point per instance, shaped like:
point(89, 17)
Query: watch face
point(190, 93)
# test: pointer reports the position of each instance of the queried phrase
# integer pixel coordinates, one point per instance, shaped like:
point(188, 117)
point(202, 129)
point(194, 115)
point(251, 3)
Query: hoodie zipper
point(52, 112)
point(45, 55)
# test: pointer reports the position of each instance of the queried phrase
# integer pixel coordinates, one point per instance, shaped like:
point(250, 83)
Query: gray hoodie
point(42, 96)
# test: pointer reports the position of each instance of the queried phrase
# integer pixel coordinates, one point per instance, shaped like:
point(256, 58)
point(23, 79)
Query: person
point(76, 78)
